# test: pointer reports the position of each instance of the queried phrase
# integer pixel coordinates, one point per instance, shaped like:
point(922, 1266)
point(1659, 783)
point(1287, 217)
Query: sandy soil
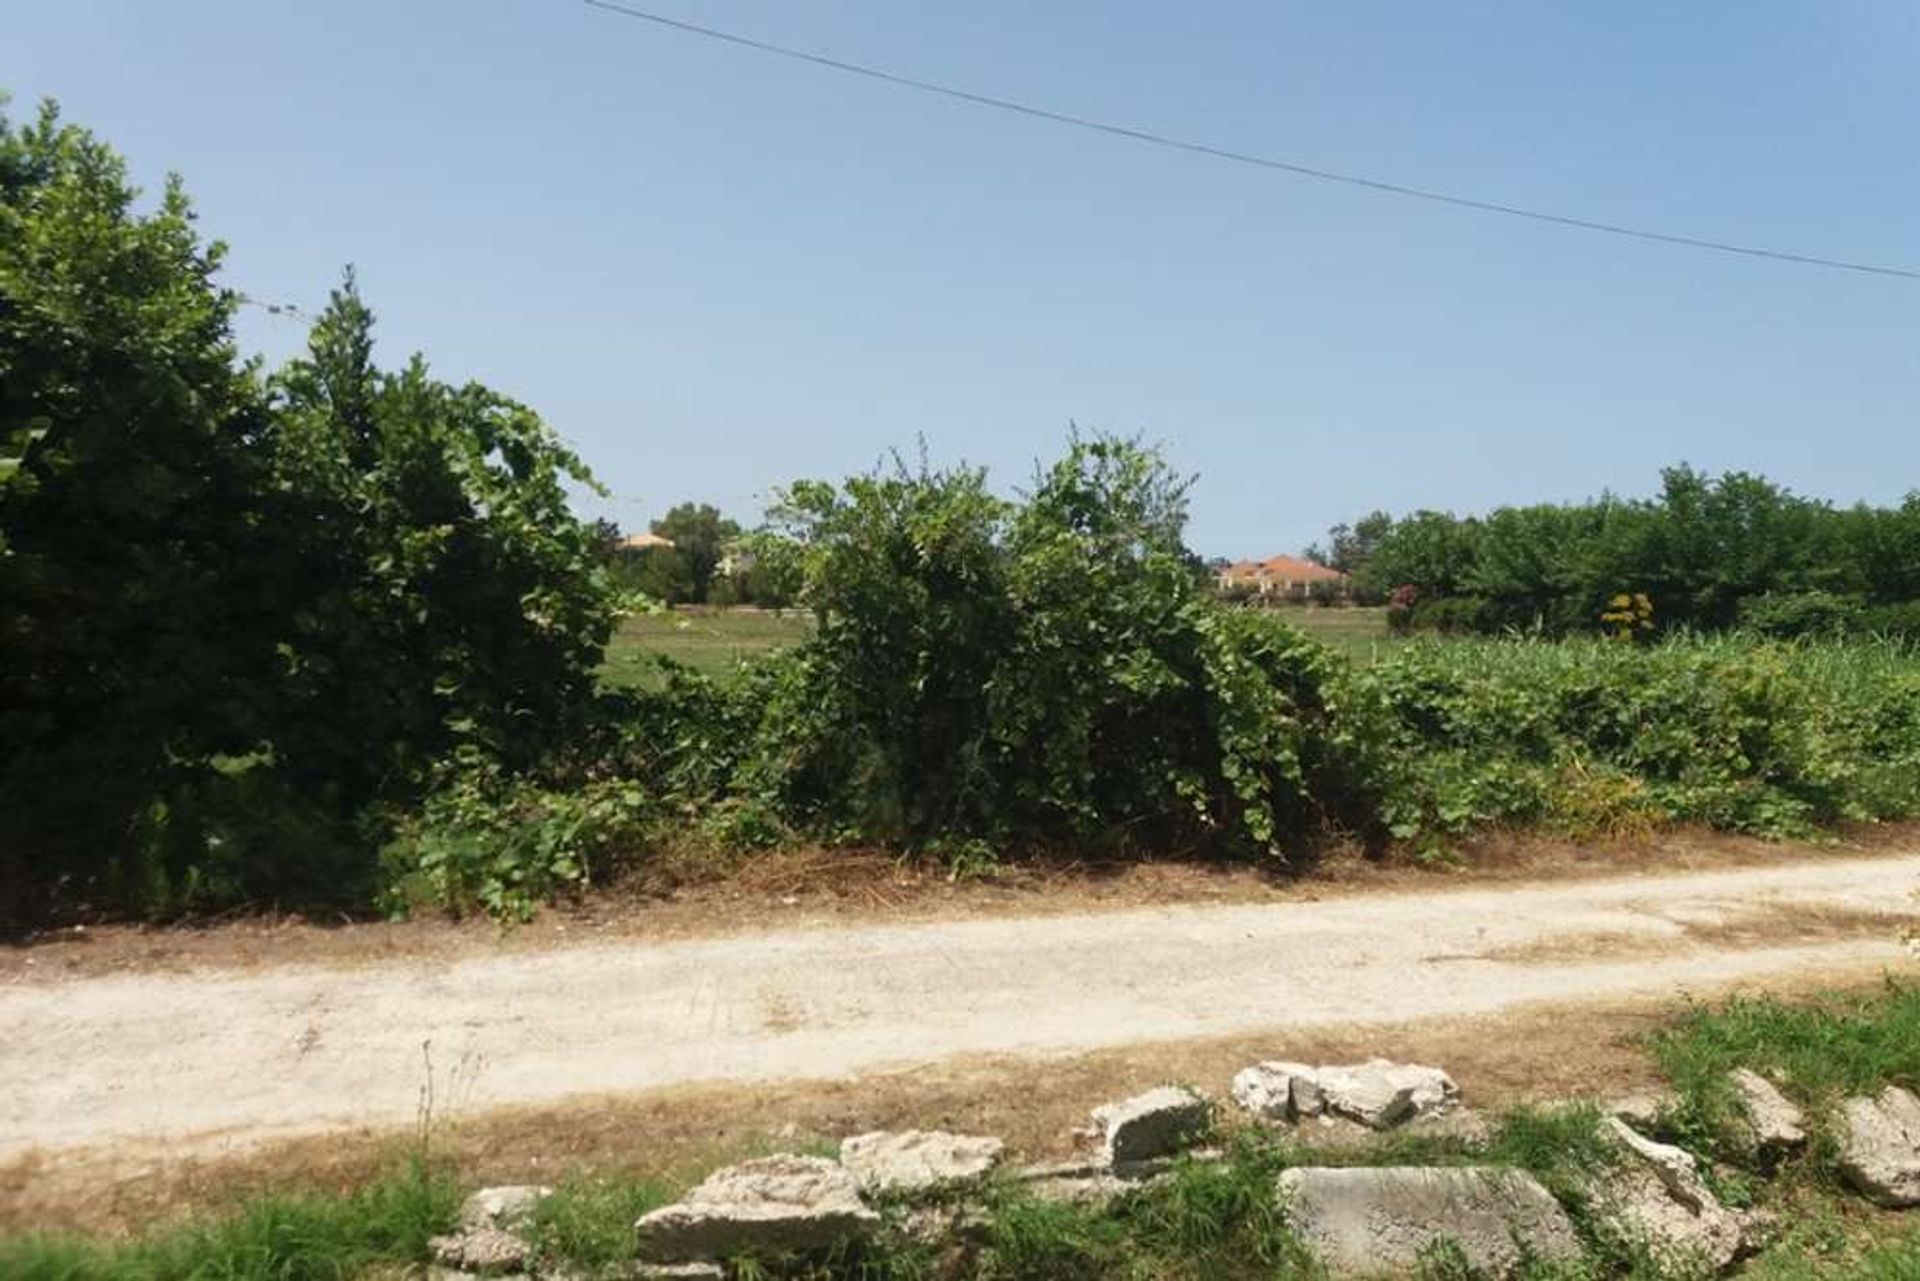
point(217, 1060)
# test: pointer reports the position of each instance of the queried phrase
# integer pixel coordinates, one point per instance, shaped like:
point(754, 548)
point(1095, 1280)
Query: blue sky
point(714, 272)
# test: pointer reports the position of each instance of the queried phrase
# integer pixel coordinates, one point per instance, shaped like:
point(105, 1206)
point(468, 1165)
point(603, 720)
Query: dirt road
point(216, 1058)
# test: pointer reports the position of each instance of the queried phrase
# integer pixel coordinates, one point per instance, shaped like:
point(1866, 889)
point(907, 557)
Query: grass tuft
point(280, 1238)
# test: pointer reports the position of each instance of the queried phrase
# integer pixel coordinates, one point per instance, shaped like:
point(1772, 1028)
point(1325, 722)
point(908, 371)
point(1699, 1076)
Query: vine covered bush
point(1772, 738)
point(1051, 670)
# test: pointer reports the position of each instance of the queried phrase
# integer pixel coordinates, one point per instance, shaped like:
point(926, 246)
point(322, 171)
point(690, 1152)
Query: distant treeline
point(1707, 552)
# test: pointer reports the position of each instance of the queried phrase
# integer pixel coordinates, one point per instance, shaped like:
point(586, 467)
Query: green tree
point(660, 572)
point(1350, 547)
point(606, 539)
point(139, 611)
point(1429, 550)
point(700, 534)
point(449, 596)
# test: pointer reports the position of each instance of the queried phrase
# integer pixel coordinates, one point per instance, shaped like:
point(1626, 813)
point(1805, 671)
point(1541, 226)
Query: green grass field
point(715, 643)
point(1359, 632)
point(712, 643)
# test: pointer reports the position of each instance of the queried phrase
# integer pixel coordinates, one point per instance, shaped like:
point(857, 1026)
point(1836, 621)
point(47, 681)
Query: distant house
point(640, 542)
point(1283, 578)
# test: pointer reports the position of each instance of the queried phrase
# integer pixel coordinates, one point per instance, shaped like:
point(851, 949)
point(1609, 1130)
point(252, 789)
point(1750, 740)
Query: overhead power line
point(1246, 157)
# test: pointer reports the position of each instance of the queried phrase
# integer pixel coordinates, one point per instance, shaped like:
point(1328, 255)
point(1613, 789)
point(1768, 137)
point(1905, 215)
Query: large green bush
point(1047, 671)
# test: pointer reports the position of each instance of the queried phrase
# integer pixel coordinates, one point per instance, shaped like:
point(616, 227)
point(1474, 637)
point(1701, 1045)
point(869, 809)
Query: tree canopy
point(244, 611)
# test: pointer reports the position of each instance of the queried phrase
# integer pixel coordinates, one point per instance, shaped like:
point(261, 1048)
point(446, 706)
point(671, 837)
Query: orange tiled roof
point(1288, 569)
point(638, 542)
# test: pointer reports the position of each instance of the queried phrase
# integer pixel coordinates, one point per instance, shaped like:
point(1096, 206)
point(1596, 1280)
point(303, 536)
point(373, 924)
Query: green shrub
point(1898, 620)
point(1808, 613)
point(1769, 738)
point(506, 843)
point(1049, 671)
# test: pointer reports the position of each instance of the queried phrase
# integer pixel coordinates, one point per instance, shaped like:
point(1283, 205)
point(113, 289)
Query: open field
point(715, 642)
point(711, 642)
point(1359, 632)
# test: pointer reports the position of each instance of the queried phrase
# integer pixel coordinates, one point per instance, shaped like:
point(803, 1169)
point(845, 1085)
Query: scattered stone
point(1087, 1183)
point(1433, 1090)
point(918, 1161)
point(1091, 1191)
point(504, 1207)
point(1383, 1094)
point(1880, 1153)
point(1155, 1124)
point(1378, 1093)
point(1279, 1091)
point(1778, 1126)
point(1369, 1222)
point(1044, 1171)
point(773, 1205)
point(1659, 1199)
point(931, 1224)
point(680, 1272)
point(484, 1249)
point(1642, 1110)
point(1760, 1229)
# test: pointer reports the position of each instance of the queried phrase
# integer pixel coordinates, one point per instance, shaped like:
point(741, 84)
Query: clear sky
point(714, 271)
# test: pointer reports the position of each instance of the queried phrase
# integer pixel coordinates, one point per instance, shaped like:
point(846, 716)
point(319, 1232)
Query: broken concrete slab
point(1370, 1098)
point(1657, 1198)
point(1643, 1109)
point(1161, 1122)
point(1779, 1127)
point(680, 1272)
point(773, 1205)
point(1379, 1093)
point(1278, 1091)
point(502, 1207)
point(918, 1162)
point(1378, 1222)
point(1880, 1147)
point(486, 1250)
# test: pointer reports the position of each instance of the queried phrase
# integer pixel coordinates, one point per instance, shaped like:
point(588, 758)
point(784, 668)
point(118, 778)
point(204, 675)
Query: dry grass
point(816, 888)
point(1746, 929)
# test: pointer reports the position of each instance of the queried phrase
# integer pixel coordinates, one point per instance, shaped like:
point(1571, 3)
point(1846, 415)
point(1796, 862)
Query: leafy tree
point(700, 534)
point(449, 597)
point(139, 610)
point(660, 572)
point(606, 539)
point(1704, 551)
point(1433, 551)
point(1350, 547)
